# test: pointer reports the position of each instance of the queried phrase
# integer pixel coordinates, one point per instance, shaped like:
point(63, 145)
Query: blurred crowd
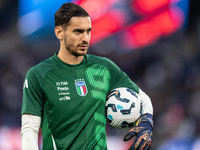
point(168, 71)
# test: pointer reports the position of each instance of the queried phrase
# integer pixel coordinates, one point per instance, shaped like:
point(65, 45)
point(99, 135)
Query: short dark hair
point(67, 11)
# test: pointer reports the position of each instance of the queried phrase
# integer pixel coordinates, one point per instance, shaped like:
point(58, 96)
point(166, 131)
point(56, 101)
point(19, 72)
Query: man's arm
point(147, 104)
point(144, 126)
point(29, 131)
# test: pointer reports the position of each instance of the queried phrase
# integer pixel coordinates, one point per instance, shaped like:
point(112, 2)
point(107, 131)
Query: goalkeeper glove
point(143, 133)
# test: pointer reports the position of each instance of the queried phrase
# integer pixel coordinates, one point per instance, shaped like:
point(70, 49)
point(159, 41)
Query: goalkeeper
point(65, 94)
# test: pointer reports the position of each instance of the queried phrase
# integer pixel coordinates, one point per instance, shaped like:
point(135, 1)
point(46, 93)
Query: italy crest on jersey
point(81, 88)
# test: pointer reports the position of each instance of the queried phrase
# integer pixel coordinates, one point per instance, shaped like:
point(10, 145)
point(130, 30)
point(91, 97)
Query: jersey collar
point(59, 61)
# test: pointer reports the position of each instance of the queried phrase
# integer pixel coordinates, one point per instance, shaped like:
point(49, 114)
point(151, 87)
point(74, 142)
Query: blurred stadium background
point(156, 42)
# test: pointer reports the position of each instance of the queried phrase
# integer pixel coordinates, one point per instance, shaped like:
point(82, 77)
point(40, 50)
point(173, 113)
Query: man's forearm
point(147, 104)
point(29, 131)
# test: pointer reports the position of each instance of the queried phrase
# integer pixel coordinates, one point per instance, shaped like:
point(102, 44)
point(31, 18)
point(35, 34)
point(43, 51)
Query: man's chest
point(69, 90)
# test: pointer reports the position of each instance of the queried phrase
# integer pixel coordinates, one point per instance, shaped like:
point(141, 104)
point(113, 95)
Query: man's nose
point(86, 37)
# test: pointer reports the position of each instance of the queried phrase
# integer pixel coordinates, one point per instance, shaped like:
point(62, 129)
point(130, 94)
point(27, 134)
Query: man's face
point(77, 36)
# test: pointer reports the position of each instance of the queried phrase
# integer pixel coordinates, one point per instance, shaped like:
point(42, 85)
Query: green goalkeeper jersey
point(70, 99)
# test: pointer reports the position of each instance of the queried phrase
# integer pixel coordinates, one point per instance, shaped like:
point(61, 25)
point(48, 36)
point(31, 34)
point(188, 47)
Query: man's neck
point(69, 58)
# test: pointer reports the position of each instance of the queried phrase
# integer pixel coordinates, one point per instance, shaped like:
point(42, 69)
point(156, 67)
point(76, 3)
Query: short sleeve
point(120, 78)
point(33, 100)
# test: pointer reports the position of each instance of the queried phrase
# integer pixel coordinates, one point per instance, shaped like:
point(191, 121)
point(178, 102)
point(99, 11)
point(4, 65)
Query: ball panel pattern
point(123, 107)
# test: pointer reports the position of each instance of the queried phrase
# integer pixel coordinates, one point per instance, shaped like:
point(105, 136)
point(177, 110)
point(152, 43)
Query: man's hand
point(143, 133)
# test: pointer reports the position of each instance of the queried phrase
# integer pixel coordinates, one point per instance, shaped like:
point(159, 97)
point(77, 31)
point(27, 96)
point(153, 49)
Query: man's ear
point(59, 32)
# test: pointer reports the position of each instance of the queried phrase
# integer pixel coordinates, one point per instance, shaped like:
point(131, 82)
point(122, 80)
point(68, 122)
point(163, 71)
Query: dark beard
point(68, 48)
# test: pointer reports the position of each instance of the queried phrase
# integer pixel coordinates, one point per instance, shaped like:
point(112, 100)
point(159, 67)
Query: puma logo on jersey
point(25, 84)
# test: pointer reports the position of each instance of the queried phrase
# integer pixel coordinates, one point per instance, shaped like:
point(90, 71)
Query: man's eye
point(78, 31)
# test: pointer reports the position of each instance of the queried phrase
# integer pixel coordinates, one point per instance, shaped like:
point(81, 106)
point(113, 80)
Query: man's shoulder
point(43, 67)
point(98, 59)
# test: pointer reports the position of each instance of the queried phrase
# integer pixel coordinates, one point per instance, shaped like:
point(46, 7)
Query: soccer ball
point(123, 107)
